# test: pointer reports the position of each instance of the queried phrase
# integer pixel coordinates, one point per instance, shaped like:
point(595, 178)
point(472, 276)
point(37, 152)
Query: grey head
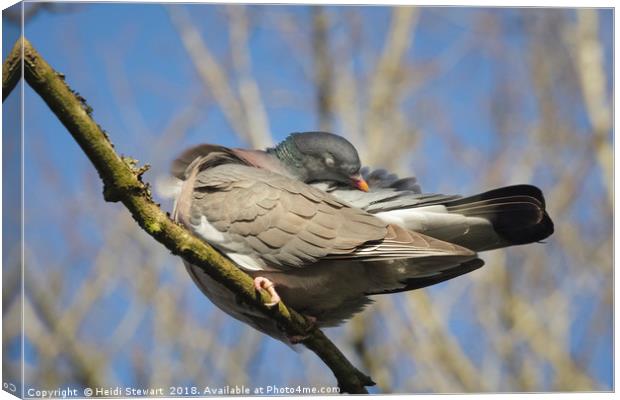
point(320, 156)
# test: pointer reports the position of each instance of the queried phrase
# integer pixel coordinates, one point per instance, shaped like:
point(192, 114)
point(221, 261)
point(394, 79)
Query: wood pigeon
point(314, 229)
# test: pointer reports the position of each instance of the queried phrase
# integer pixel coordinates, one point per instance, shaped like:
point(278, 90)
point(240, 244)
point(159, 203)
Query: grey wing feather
point(400, 243)
point(290, 224)
point(285, 221)
point(387, 199)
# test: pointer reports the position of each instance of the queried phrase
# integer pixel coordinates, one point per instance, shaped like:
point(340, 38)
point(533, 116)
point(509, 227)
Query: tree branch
point(252, 105)
point(11, 70)
point(589, 62)
point(323, 66)
point(122, 182)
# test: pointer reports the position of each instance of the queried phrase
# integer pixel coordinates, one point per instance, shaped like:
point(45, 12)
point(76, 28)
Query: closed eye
point(329, 161)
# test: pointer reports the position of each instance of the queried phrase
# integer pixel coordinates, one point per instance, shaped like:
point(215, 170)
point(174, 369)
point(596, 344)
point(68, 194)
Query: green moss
point(153, 227)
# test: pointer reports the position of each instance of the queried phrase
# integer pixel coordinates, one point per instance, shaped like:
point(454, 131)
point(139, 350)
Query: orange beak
point(360, 183)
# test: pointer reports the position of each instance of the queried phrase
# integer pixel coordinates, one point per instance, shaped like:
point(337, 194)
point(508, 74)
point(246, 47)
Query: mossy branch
point(122, 182)
point(11, 70)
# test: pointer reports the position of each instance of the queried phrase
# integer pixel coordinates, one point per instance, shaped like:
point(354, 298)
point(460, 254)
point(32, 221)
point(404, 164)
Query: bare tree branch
point(212, 74)
point(11, 70)
point(323, 66)
point(249, 93)
point(589, 60)
point(246, 116)
point(383, 90)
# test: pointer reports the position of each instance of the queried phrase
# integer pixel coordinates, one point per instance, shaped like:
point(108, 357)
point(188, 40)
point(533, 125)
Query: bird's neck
point(265, 160)
point(288, 154)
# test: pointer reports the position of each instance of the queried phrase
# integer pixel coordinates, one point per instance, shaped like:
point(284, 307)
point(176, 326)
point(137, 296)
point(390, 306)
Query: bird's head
point(321, 156)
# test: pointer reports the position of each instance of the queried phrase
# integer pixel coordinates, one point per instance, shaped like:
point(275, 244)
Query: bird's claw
point(264, 283)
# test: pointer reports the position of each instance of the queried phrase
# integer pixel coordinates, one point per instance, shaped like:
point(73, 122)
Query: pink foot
point(264, 283)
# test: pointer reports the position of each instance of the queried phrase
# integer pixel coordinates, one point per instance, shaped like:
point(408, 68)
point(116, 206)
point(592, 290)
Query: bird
point(316, 230)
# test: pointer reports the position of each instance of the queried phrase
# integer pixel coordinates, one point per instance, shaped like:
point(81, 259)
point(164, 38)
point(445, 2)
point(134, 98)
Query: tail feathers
point(425, 281)
point(517, 213)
